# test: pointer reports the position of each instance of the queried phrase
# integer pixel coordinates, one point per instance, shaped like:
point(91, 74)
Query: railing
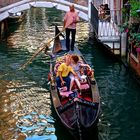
point(108, 29)
point(79, 2)
point(116, 16)
point(4, 3)
point(109, 26)
point(7, 4)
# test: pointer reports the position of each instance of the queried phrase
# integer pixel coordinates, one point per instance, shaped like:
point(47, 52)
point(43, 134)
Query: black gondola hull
point(78, 113)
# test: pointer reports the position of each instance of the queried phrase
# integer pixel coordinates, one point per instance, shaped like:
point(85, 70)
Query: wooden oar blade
point(57, 46)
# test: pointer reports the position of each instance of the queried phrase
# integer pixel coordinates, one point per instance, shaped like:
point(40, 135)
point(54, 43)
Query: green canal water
point(26, 110)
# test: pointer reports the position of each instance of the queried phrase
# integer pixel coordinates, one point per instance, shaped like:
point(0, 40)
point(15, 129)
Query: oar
point(43, 46)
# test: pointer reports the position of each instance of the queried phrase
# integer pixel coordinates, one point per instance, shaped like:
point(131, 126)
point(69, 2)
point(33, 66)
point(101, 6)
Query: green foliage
point(135, 5)
point(123, 27)
point(135, 37)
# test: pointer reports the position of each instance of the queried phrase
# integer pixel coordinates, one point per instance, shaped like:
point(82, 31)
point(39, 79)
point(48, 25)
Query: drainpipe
point(89, 9)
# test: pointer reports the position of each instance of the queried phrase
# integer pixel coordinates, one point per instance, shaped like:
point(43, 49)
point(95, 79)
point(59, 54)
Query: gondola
point(15, 18)
point(78, 112)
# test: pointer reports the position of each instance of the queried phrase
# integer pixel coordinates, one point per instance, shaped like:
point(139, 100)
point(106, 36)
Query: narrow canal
point(25, 106)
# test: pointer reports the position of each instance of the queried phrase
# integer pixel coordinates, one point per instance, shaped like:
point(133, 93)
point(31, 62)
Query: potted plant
point(134, 40)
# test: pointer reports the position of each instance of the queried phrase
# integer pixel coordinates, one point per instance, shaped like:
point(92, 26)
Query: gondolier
point(70, 20)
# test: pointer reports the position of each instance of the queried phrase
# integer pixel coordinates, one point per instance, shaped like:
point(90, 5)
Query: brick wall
point(135, 63)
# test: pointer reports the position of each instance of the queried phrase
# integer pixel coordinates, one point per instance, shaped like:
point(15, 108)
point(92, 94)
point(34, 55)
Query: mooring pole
point(0, 31)
point(89, 9)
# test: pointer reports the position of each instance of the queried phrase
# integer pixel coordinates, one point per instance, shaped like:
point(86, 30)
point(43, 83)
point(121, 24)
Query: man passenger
point(63, 74)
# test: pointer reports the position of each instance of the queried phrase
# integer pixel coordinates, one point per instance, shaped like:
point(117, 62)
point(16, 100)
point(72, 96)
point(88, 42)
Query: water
point(26, 110)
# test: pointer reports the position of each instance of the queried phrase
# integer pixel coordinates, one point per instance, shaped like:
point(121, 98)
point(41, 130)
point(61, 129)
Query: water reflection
point(25, 104)
point(23, 109)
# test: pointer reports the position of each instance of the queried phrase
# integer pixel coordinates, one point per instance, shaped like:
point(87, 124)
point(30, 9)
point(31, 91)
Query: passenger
point(107, 13)
point(76, 67)
point(63, 74)
point(101, 12)
point(79, 69)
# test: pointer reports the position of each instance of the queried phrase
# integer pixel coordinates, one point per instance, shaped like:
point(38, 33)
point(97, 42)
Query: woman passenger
point(76, 67)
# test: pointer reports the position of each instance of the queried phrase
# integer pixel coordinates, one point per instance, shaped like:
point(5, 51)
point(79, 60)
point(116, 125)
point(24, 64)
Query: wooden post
point(0, 30)
point(5, 28)
point(120, 47)
point(113, 48)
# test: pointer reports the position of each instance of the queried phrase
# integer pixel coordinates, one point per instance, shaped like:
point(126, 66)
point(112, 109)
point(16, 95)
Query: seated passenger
point(76, 67)
point(63, 74)
point(79, 69)
point(59, 61)
point(89, 72)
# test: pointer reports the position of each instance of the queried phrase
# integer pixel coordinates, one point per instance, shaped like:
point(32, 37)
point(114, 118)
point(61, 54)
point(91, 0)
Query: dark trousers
point(66, 79)
point(68, 32)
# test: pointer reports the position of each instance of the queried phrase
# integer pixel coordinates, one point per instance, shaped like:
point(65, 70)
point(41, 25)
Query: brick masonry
point(135, 65)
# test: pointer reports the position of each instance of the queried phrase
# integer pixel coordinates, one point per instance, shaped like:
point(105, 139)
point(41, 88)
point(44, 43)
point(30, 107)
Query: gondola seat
point(65, 93)
point(84, 86)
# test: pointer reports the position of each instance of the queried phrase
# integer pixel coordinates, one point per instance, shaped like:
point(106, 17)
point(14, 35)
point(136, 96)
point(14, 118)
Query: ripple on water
point(35, 125)
point(18, 101)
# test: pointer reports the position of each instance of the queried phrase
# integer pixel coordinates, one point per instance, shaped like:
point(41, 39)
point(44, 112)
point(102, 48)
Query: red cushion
point(84, 86)
point(65, 93)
